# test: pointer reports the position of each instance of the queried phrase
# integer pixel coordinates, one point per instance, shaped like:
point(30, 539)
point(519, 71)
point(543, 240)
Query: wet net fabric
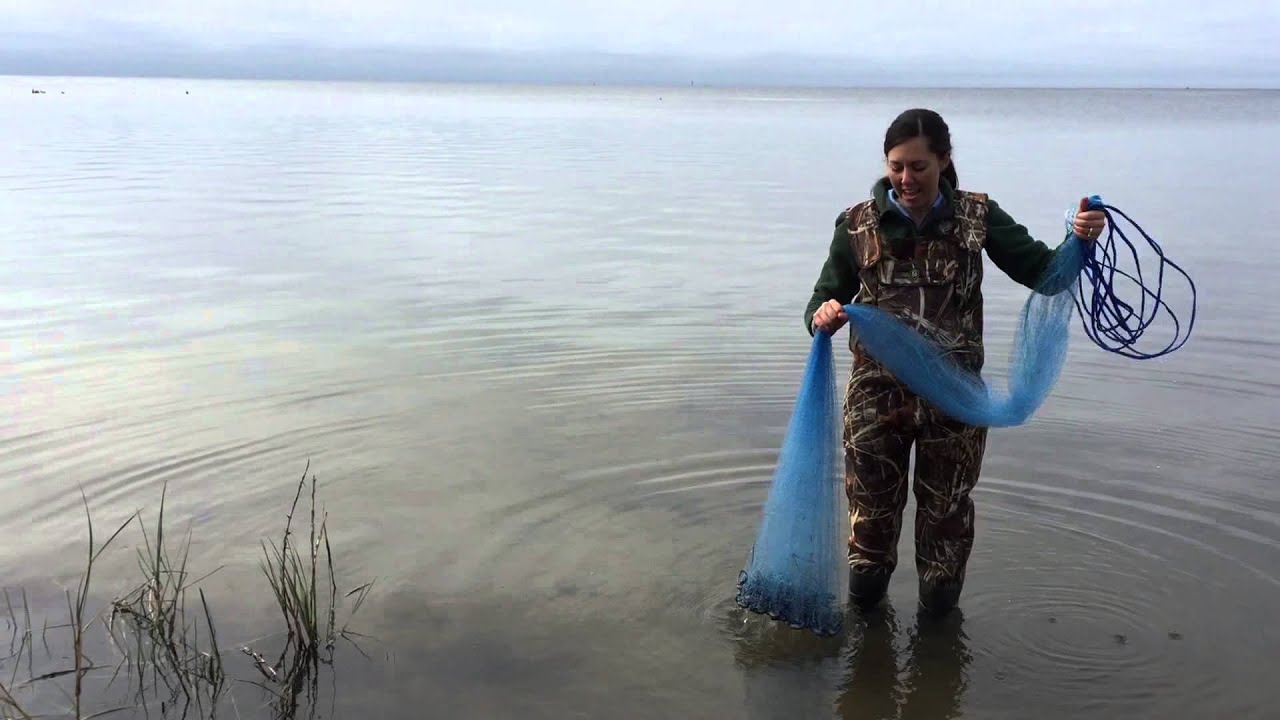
point(1038, 354)
point(1081, 276)
point(796, 571)
point(794, 574)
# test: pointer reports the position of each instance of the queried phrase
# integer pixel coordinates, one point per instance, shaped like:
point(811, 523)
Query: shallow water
point(539, 345)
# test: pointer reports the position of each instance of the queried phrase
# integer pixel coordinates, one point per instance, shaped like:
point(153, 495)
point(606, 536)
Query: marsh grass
point(166, 645)
point(311, 626)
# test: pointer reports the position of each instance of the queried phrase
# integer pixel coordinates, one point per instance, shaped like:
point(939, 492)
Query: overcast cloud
point(1159, 40)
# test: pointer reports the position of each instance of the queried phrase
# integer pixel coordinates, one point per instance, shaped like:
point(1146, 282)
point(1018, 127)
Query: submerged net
point(795, 570)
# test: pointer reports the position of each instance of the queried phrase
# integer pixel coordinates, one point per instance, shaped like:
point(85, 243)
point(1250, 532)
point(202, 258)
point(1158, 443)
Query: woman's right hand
point(830, 317)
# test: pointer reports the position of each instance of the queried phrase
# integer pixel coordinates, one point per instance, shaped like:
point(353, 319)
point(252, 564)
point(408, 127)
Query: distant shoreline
point(91, 56)
point(27, 77)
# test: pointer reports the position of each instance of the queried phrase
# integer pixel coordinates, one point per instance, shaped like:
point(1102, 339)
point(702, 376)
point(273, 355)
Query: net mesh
point(794, 572)
point(1038, 353)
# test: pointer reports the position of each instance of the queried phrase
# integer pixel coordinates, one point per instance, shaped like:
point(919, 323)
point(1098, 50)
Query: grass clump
point(165, 644)
point(295, 584)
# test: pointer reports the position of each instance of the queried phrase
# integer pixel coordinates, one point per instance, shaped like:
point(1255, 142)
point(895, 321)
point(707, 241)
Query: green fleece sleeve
point(839, 277)
point(1013, 250)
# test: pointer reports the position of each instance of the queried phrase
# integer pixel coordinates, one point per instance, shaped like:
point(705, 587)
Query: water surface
point(540, 345)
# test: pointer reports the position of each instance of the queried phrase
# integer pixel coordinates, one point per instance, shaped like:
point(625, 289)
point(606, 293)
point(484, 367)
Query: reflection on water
point(540, 346)
point(929, 682)
point(883, 668)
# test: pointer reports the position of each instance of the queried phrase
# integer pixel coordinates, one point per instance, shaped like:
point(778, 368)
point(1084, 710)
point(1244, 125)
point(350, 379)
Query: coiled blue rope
point(1111, 323)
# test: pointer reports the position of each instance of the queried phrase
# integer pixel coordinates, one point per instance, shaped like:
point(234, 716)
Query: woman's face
point(914, 171)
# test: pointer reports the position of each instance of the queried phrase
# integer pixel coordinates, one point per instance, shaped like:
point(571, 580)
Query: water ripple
point(546, 342)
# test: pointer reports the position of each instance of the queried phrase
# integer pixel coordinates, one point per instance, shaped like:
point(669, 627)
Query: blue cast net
point(796, 573)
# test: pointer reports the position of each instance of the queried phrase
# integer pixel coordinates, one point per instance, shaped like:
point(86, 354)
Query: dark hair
point(918, 122)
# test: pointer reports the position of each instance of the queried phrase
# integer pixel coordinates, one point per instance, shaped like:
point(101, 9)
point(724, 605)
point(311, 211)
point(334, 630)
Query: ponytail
point(950, 175)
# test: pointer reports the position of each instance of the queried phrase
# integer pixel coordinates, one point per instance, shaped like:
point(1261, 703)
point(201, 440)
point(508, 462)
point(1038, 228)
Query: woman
point(915, 250)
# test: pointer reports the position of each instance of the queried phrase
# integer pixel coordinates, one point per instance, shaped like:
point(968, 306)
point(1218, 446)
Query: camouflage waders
point(937, 290)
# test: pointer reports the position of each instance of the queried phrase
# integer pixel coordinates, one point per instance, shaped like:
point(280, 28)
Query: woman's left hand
point(1089, 224)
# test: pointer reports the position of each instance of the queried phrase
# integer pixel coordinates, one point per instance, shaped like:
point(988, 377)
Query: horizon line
point(666, 84)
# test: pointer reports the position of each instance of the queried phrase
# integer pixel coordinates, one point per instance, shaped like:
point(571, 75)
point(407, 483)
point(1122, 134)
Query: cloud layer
point(1090, 41)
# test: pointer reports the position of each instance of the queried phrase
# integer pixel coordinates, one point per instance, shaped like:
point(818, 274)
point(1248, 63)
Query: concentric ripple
point(584, 540)
point(1106, 599)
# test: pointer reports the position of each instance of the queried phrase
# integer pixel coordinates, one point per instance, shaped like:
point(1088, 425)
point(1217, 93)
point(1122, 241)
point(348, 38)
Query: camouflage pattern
point(938, 291)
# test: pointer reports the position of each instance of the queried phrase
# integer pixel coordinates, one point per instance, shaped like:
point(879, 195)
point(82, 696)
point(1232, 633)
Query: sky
point(1002, 42)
